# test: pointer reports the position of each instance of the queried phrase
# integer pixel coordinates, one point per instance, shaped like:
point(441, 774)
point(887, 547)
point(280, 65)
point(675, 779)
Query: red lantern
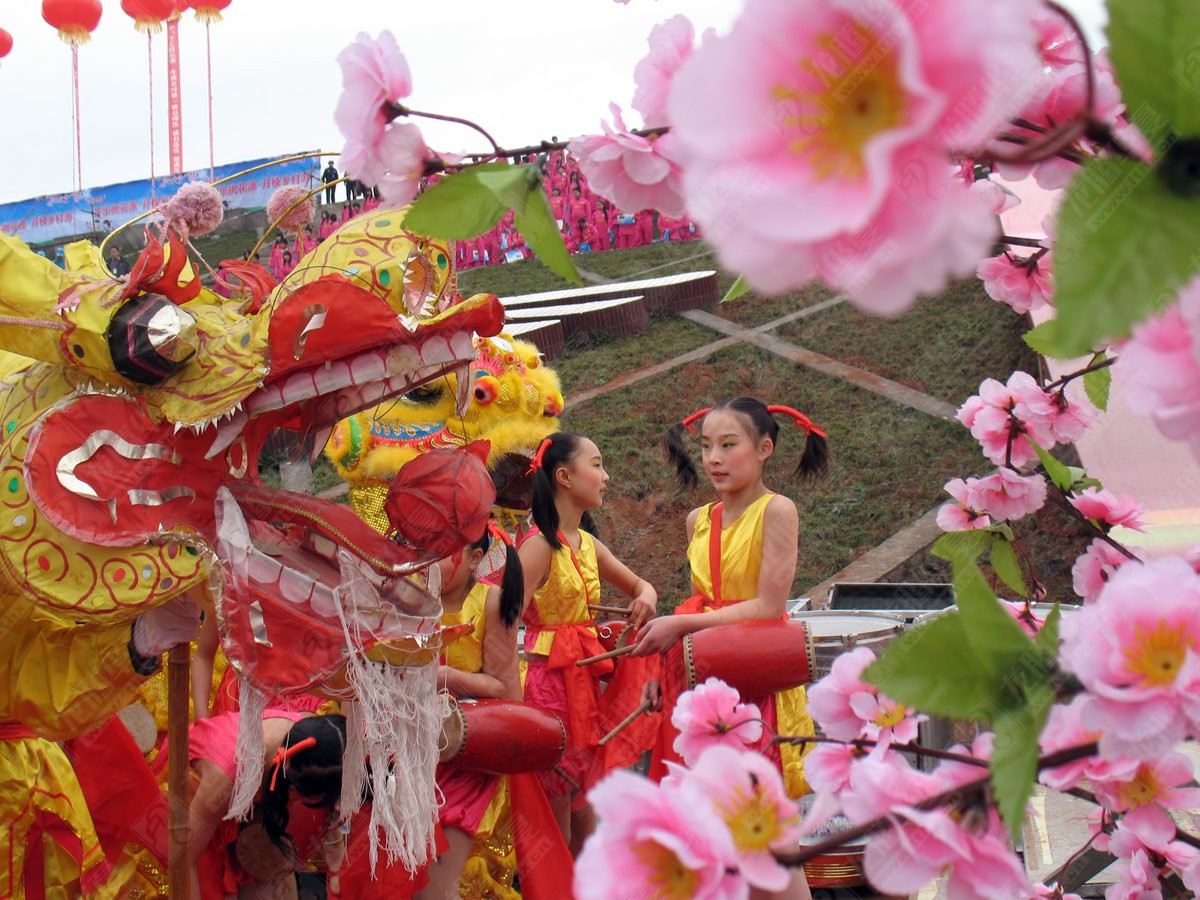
point(208, 11)
point(74, 19)
point(5, 43)
point(148, 15)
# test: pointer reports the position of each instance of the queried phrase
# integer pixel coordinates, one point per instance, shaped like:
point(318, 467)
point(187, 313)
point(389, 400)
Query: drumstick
point(644, 708)
point(611, 654)
point(565, 777)
point(608, 609)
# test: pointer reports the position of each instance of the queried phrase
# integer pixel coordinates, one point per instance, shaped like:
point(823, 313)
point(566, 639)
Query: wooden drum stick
point(611, 654)
point(620, 610)
point(644, 708)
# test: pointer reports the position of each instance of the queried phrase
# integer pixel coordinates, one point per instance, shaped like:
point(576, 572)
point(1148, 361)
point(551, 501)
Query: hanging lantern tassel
point(208, 11)
point(75, 20)
point(148, 15)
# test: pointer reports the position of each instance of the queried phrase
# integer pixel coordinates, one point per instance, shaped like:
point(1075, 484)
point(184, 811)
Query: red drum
point(608, 631)
point(502, 737)
point(758, 657)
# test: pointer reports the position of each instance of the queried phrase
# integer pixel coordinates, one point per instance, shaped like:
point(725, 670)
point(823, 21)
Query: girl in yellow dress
point(563, 566)
point(481, 664)
point(758, 541)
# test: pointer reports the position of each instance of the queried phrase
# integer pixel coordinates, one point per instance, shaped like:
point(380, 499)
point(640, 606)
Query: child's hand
point(652, 694)
point(641, 611)
point(660, 635)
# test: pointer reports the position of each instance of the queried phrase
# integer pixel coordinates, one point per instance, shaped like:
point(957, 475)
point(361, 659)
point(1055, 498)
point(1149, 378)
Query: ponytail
point(677, 453)
point(512, 582)
point(555, 452)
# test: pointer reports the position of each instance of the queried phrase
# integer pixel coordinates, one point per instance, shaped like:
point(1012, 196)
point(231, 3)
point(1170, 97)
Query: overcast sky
point(525, 71)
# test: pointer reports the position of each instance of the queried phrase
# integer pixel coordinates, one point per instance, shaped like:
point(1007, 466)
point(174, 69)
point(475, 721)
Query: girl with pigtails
point(564, 565)
point(742, 550)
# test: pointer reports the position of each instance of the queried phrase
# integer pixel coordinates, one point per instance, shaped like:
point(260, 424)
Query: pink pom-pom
point(195, 209)
point(297, 218)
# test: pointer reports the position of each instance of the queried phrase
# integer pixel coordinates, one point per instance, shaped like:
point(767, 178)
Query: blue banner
point(66, 216)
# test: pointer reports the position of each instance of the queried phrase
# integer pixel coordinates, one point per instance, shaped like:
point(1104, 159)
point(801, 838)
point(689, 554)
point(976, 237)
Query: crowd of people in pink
point(588, 222)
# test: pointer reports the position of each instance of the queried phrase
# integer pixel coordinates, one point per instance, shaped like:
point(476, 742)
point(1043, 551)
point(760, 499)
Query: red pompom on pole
point(75, 20)
point(5, 43)
point(148, 15)
point(208, 11)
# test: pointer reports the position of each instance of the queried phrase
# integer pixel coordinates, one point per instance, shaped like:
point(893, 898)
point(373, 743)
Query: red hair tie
point(800, 418)
point(687, 423)
point(537, 457)
point(498, 533)
point(283, 754)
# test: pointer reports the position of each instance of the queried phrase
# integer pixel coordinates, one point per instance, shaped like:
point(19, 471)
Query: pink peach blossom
point(1157, 837)
point(1107, 508)
point(712, 714)
point(1137, 879)
point(1072, 416)
point(1002, 413)
point(1006, 495)
point(650, 842)
point(374, 75)
point(818, 137)
point(1058, 44)
point(379, 152)
point(1134, 648)
point(631, 171)
point(923, 843)
point(829, 699)
point(1021, 282)
point(1159, 368)
point(671, 44)
point(1145, 794)
point(1064, 729)
point(1094, 567)
point(746, 792)
point(958, 516)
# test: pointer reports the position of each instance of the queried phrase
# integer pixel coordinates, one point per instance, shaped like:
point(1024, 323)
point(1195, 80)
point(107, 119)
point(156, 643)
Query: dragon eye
point(426, 396)
point(486, 390)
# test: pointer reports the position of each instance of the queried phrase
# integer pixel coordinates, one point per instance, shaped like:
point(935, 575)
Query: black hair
point(562, 448)
point(512, 585)
point(814, 462)
point(315, 772)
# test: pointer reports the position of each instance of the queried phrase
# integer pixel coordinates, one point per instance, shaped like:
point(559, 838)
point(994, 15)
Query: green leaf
point(1125, 247)
point(1014, 756)
point(934, 669)
point(739, 288)
point(1005, 565)
point(1058, 472)
point(994, 637)
point(1097, 384)
point(1043, 338)
point(1047, 639)
point(509, 184)
point(1002, 528)
point(958, 546)
point(536, 223)
point(458, 207)
point(1153, 49)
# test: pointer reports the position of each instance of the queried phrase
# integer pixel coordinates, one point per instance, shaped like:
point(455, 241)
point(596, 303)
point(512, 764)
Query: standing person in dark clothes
point(329, 175)
point(116, 262)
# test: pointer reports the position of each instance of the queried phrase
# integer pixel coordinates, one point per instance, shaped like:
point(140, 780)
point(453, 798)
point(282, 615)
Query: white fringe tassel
point(396, 722)
point(250, 750)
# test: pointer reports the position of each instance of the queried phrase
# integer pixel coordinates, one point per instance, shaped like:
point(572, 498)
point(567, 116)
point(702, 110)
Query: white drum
point(836, 631)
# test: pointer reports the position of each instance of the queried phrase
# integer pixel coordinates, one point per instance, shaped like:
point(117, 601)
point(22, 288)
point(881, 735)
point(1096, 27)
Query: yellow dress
point(741, 561)
point(489, 869)
point(55, 684)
